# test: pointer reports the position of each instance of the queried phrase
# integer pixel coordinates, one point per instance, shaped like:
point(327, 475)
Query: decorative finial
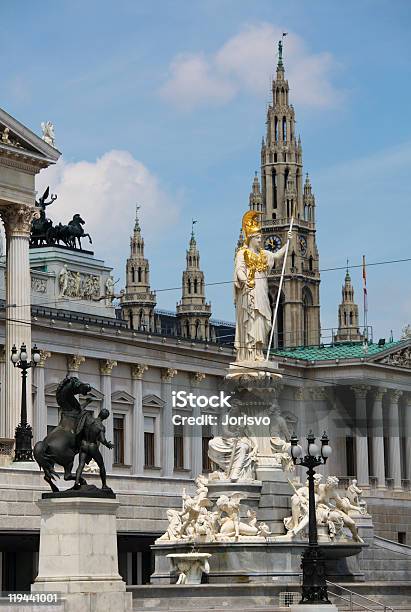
point(137, 227)
point(193, 222)
point(280, 49)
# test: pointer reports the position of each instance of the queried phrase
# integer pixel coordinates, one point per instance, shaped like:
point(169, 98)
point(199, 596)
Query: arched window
point(195, 285)
point(131, 320)
point(187, 329)
point(310, 263)
point(275, 157)
point(274, 179)
point(141, 320)
point(197, 330)
point(133, 275)
point(139, 275)
point(293, 259)
point(276, 129)
point(351, 317)
point(345, 318)
point(206, 331)
point(307, 303)
point(284, 129)
point(189, 285)
point(274, 216)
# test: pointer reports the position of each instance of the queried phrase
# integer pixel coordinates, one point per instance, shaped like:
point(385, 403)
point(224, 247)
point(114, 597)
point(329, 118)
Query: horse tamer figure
point(76, 432)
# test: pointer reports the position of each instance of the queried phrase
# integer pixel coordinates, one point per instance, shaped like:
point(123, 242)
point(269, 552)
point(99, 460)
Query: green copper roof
point(353, 350)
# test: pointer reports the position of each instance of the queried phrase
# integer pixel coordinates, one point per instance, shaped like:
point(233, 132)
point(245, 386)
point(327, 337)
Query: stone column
point(196, 432)
point(2, 390)
point(17, 223)
point(40, 408)
point(106, 367)
point(361, 439)
point(377, 430)
point(319, 416)
point(137, 372)
point(167, 429)
point(394, 448)
point(407, 432)
point(73, 364)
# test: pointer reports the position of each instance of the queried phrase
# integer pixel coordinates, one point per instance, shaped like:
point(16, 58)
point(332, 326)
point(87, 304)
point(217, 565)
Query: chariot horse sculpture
point(62, 444)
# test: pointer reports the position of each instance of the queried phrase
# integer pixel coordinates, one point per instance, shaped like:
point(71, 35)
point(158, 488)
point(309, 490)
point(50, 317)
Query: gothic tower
point(283, 195)
point(138, 301)
point(348, 328)
point(193, 312)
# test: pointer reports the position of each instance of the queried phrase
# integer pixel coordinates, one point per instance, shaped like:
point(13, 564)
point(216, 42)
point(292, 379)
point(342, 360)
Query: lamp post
point(314, 589)
point(24, 432)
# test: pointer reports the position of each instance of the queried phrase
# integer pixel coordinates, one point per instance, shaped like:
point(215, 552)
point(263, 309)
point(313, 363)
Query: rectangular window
point(206, 437)
point(149, 442)
point(350, 455)
point(402, 537)
point(178, 447)
point(52, 418)
point(118, 433)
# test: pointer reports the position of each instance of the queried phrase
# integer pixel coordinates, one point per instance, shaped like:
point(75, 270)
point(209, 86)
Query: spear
point(277, 302)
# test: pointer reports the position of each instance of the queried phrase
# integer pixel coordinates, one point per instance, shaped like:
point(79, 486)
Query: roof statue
point(48, 133)
point(45, 233)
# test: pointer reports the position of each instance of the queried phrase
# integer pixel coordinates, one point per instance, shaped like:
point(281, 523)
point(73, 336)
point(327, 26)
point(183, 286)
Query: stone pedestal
point(314, 608)
point(78, 554)
point(250, 491)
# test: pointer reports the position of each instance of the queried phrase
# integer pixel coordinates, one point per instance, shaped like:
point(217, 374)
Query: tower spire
point(138, 301)
point(348, 329)
point(193, 312)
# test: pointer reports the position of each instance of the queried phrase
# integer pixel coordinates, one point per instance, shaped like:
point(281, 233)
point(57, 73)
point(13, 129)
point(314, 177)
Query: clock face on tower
point(272, 243)
point(302, 241)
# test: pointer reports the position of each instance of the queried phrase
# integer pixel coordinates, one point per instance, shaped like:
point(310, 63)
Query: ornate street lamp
point(24, 432)
point(314, 589)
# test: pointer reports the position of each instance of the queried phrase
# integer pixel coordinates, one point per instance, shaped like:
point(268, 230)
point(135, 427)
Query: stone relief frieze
point(79, 285)
point(400, 358)
point(39, 285)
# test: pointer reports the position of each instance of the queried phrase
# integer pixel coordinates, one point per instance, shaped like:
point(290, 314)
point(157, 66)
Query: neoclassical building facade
point(135, 356)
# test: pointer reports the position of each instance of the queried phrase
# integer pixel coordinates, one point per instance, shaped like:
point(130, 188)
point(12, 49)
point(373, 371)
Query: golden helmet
point(251, 224)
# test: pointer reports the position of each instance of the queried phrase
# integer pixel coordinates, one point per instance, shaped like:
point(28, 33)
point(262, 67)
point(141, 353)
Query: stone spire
point(193, 312)
point(256, 199)
point(348, 328)
point(284, 194)
point(138, 301)
point(308, 201)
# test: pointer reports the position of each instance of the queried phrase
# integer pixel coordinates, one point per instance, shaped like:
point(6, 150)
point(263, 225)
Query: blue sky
point(164, 103)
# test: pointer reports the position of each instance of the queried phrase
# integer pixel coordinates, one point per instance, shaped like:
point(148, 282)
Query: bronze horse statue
point(62, 444)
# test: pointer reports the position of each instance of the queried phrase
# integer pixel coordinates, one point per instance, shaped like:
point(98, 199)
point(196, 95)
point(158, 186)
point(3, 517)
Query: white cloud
point(245, 63)
point(193, 83)
point(105, 193)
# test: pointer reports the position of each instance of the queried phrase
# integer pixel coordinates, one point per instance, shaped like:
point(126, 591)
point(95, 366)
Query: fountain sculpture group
point(251, 513)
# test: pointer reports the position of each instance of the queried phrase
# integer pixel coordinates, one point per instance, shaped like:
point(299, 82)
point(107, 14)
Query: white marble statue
point(190, 566)
point(231, 527)
point(48, 132)
point(197, 523)
point(234, 453)
point(253, 312)
point(279, 438)
point(63, 280)
point(109, 289)
point(332, 510)
point(354, 494)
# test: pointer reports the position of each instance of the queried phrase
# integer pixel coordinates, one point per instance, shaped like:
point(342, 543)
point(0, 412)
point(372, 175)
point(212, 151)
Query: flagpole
point(277, 302)
point(364, 277)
